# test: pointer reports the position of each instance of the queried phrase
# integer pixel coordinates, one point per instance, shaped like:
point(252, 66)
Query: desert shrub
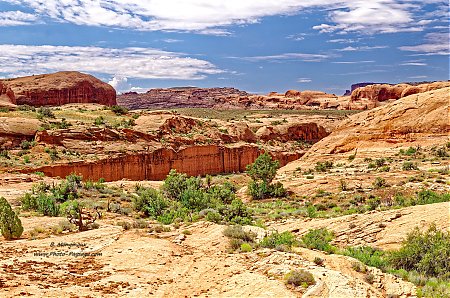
point(174, 185)
point(99, 120)
point(311, 210)
point(408, 166)
point(430, 197)
point(323, 166)
point(369, 278)
point(225, 193)
point(246, 247)
point(426, 252)
point(359, 267)
point(237, 232)
point(373, 203)
point(236, 213)
point(379, 183)
point(299, 278)
point(319, 239)
point(367, 255)
point(118, 110)
point(25, 145)
point(276, 239)
point(45, 112)
point(150, 201)
point(78, 214)
point(379, 162)
point(343, 186)
point(47, 205)
point(318, 261)
point(125, 225)
point(10, 224)
point(262, 172)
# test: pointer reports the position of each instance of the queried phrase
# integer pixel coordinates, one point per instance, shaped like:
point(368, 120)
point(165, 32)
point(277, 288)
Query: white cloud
point(413, 64)
point(287, 56)
point(16, 18)
point(353, 62)
point(212, 17)
point(436, 44)
point(171, 40)
point(304, 80)
point(123, 63)
point(362, 48)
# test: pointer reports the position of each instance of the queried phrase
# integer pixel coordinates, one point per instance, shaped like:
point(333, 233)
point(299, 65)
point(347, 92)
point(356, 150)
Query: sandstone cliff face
point(383, 92)
point(14, 130)
point(310, 132)
point(415, 118)
point(7, 97)
point(195, 160)
point(178, 98)
point(61, 88)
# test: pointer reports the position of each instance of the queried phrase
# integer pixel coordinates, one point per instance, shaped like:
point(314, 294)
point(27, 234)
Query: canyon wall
point(195, 160)
point(60, 88)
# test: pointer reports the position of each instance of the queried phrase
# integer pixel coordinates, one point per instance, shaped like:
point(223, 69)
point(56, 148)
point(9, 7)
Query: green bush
point(408, 166)
point(150, 201)
point(118, 110)
point(319, 239)
point(323, 166)
point(379, 183)
point(426, 252)
point(262, 172)
point(99, 121)
point(276, 239)
point(367, 255)
point(236, 213)
point(299, 278)
point(174, 185)
point(45, 112)
point(10, 224)
point(245, 247)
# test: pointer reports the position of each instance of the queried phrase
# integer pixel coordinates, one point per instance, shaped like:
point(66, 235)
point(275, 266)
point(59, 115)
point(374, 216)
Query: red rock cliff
point(61, 88)
point(196, 160)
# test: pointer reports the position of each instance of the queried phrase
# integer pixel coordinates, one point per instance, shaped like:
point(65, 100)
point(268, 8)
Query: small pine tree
point(10, 224)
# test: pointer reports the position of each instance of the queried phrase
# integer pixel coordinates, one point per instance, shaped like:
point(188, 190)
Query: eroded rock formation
point(416, 118)
point(195, 160)
point(60, 88)
point(7, 97)
point(383, 92)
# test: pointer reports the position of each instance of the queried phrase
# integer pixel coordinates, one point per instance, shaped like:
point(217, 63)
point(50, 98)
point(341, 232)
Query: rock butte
point(57, 89)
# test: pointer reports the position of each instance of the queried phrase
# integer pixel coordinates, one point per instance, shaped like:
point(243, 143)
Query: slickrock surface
point(58, 89)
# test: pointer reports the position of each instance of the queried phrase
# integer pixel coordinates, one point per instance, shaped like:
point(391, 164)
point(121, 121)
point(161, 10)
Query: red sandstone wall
point(196, 160)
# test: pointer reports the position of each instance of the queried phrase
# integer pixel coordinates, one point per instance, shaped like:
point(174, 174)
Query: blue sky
point(254, 45)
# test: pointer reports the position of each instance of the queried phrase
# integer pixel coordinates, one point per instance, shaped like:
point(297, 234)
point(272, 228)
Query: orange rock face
point(60, 88)
point(195, 160)
point(6, 95)
point(302, 131)
point(380, 93)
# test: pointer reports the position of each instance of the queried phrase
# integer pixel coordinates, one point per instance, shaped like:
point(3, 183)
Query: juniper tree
point(10, 224)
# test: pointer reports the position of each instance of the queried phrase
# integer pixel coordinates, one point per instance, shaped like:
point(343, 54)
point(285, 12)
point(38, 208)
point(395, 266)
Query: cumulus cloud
point(16, 18)
point(436, 44)
point(212, 17)
point(128, 62)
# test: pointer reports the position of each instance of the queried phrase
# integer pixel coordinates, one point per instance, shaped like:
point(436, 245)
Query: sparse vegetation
point(319, 239)
point(262, 172)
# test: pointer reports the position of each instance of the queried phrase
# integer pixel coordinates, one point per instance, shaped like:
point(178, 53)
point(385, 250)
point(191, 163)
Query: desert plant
point(426, 252)
point(262, 172)
point(78, 215)
point(323, 166)
point(299, 278)
point(319, 239)
point(379, 183)
point(408, 166)
point(150, 201)
point(276, 239)
point(118, 110)
point(10, 224)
